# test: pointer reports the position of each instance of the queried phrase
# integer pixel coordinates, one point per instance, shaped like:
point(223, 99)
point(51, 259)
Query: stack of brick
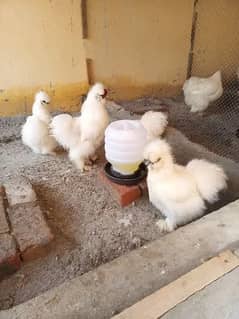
point(24, 233)
point(124, 195)
point(9, 257)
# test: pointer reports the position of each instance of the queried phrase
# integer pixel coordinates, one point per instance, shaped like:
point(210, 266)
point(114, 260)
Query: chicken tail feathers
point(61, 129)
point(210, 178)
point(84, 150)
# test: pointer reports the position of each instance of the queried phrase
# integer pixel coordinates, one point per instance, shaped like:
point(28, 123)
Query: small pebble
point(197, 245)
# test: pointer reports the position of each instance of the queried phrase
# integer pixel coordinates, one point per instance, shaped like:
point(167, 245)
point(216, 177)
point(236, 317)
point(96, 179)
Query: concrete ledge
point(115, 286)
point(168, 297)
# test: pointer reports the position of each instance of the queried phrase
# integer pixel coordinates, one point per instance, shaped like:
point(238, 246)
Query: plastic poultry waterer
point(124, 144)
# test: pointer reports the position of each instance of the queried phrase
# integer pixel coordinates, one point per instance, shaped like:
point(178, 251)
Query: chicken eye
point(156, 161)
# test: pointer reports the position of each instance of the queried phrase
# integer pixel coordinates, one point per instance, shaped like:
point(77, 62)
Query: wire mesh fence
point(215, 46)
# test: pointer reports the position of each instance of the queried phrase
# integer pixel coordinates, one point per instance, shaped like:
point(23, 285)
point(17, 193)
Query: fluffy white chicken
point(36, 131)
point(82, 135)
point(200, 92)
point(155, 124)
point(180, 192)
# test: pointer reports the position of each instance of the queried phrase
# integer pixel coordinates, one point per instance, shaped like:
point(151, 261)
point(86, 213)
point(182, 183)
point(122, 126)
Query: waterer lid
point(126, 130)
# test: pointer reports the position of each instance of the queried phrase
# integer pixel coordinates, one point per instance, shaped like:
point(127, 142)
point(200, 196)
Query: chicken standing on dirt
point(200, 92)
point(180, 192)
point(84, 134)
point(155, 124)
point(36, 131)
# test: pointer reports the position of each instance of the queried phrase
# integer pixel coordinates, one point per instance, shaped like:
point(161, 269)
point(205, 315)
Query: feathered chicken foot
point(165, 225)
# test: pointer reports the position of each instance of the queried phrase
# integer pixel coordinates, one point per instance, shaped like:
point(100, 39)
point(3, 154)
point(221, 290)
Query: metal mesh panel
point(215, 45)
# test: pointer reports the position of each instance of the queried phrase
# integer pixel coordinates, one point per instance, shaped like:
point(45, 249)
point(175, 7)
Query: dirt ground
point(89, 227)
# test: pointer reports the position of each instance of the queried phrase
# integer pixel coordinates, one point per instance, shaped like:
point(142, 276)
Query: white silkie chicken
point(180, 192)
point(36, 131)
point(155, 124)
point(82, 135)
point(200, 92)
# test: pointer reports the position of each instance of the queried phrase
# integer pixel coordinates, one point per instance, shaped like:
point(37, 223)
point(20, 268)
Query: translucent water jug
point(124, 144)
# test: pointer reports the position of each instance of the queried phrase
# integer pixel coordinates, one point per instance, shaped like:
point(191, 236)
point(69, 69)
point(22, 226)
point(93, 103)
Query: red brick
point(124, 195)
point(9, 257)
point(19, 191)
point(30, 230)
point(4, 228)
point(2, 191)
point(35, 252)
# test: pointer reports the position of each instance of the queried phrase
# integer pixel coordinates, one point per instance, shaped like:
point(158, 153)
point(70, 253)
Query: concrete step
point(175, 293)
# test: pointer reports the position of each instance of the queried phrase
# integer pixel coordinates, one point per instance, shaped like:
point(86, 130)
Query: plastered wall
point(216, 44)
point(41, 47)
point(139, 47)
point(136, 47)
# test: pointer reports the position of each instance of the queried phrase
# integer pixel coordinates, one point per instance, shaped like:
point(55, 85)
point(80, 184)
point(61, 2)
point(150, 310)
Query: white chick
point(36, 131)
point(200, 92)
point(82, 135)
point(155, 124)
point(180, 192)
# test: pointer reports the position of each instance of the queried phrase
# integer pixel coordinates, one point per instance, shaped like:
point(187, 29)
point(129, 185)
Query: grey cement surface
point(220, 300)
point(89, 227)
point(117, 285)
point(217, 129)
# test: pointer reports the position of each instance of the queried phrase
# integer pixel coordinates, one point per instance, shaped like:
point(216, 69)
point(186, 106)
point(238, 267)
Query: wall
point(139, 47)
point(216, 43)
point(136, 47)
point(41, 47)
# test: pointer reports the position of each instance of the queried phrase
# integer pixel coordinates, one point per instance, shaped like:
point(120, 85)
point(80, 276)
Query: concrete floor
point(219, 300)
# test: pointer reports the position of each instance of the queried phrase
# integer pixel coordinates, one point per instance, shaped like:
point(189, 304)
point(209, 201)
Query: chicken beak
point(105, 93)
point(147, 163)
